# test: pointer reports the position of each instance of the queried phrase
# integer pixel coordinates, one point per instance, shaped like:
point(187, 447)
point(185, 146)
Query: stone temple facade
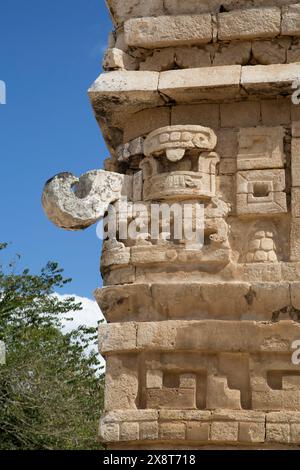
point(195, 104)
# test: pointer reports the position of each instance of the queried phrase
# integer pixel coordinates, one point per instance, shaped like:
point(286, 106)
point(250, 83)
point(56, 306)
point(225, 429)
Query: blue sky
point(51, 52)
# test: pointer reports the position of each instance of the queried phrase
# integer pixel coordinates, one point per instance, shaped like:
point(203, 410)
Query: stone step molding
point(191, 429)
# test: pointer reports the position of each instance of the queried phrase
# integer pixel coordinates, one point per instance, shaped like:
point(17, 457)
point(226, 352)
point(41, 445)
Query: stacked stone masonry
point(195, 105)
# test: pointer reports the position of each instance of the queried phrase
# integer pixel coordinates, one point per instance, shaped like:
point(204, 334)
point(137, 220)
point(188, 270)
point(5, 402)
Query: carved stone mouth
point(175, 140)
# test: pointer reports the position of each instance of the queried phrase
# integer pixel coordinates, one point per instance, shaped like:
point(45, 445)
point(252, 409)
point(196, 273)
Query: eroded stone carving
point(175, 140)
point(76, 203)
point(198, 344)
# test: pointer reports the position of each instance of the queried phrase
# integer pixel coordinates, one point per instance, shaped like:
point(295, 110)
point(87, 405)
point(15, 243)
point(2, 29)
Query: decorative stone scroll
point(76, 203)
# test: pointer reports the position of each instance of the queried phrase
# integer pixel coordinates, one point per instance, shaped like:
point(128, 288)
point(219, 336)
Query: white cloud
point(89, 316)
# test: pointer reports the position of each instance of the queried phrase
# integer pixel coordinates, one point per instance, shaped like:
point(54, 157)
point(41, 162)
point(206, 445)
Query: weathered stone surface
point(266, 52)
point(112, 335)
point(148, 431)
point(129, 431)
point(224, 432)
point(249, 24)
point(121, 383)
point(276, 112)
point(291, 20)
point(236, 53)
point(279, 433)
point(192, 57)
point(166, 31)
point(252, 432)
point(116, 59)
point(262, 78)
point(94, 191)
point(172, 431)
point(242, 114)
point(215, 82)
point(146, 121)
point(197, 432)
point(203, 114)
point(261, 148)
point(130, 86)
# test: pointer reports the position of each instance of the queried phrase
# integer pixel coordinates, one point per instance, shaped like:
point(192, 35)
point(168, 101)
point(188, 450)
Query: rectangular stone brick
point(227, 145)
point(115, 335)
point(128, 86)
point(130, 415)
point(109, 432)
point(252, 432)
point(276, 112)
point(291, 20)
point(242, 114)
point(171, 398)
point(198, 114)
point(154, 379)
point(149, 430)
point(197, 431)
point(236, 415)
point(172, 431)
point(265, 78)
point(146, 121)
point(279, 433)
point(129, 431)
point(166, 31)
point(184, 415)
point(249, 24)
point(260, 148)
point(284, 416)
point(224, 432)
point(201, 83)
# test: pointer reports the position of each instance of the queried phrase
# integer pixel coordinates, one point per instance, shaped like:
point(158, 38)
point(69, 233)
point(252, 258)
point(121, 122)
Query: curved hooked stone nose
point(76, 203)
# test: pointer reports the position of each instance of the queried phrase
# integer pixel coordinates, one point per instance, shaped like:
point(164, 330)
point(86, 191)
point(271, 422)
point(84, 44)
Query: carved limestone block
point(260, 148)
point(181, 395)
point(175, 140)
point(219, 395)
point(76, 203)
point(180, 185)
point(275, 383)
point(261, 192)
point(262, 248)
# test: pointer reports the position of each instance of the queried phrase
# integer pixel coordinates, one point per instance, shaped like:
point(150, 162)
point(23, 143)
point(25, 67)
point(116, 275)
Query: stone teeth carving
point(76, 203)
point(175, 140)
point(262, 248)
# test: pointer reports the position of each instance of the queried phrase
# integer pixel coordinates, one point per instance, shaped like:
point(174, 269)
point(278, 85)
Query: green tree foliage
point(51, 391)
